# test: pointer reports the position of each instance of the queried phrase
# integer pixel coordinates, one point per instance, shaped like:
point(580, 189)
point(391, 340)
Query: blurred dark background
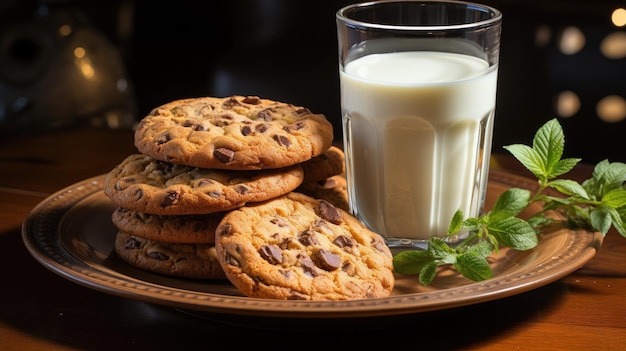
point(108, 63)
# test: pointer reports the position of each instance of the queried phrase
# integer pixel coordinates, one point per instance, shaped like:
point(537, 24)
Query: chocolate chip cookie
point(197, 261)
point(143, 184)
point(236, 133)
point(297, 247)
point(187, 229)
point(332, 189)
point(328, 164)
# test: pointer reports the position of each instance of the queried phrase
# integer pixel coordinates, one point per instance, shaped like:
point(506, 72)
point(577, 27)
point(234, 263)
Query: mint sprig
point(597, 204)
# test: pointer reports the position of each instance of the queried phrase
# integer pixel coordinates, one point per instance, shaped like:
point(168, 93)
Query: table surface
point(41, 310)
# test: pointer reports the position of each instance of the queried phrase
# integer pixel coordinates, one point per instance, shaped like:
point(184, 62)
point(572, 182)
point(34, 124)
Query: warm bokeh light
point(84, 64)
point(618, 17)
point(79, 52)
point(572, 40)
point(611, 109)
point(112, 119)
point(65, 30)
point(613, 46)
point(543, 33)
point(87, 70)
point(567, 104)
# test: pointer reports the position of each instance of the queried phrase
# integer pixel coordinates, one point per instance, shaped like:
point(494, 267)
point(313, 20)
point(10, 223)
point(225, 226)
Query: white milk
point(417, 131)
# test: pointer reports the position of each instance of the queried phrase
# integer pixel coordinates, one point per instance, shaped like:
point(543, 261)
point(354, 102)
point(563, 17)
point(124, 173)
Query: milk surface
point(417, 132)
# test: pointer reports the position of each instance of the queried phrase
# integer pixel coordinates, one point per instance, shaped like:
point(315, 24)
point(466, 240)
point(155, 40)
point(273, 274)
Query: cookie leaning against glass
point(236, 133)
point(328, 164)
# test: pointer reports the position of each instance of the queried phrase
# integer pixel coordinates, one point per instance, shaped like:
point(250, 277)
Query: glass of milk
point(418, 94)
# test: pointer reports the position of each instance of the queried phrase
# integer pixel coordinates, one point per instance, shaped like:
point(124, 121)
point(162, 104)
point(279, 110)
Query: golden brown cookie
point(143, 184)
point(187, 229)
point(332, 189)
point(237, 133)
point(328, 164)
point(197, 261)
point(299, 248)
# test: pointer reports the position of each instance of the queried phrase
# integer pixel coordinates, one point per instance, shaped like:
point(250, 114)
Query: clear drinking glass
point(418, 95)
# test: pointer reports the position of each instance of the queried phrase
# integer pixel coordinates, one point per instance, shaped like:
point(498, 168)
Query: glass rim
point(496, 16)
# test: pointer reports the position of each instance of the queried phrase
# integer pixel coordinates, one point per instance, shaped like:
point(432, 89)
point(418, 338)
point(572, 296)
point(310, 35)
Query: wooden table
point(40, 310)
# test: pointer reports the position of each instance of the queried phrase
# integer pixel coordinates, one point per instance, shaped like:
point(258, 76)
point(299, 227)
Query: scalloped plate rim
point(45, 246)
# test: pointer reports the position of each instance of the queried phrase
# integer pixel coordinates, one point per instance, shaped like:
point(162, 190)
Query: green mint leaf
point(544, 158)
point(482, 249)
point(540, 220)
point(593, 187)
point(615, 198)
point(471, 224)
point(563, 166)
point(514, 232)
point(601, 168)
point(473, 267)
point(619, 220)
point(510, 203)
point(529, 158)
point(455, 223)
point(613, 173)
point(606, 177)
point(601, 219)
point(439, 250)
point(549, 142)
point(569, 187)
point(428, 273)
point(411, 261)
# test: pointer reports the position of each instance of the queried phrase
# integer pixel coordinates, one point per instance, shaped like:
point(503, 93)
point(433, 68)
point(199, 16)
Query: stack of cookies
point(249, 190)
